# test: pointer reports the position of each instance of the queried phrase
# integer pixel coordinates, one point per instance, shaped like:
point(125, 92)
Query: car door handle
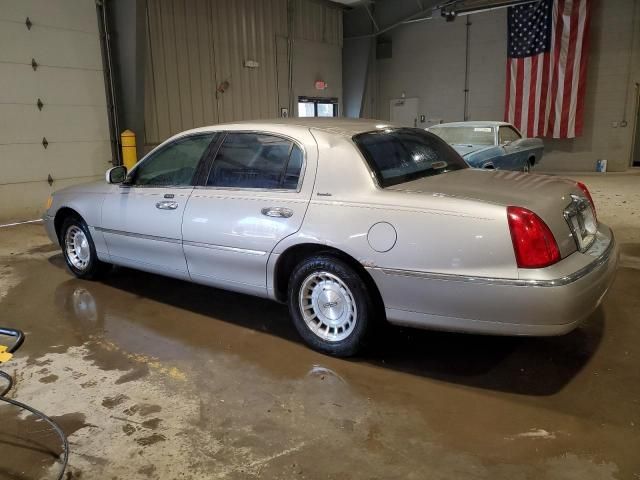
point(280, 212)
point(167, 205)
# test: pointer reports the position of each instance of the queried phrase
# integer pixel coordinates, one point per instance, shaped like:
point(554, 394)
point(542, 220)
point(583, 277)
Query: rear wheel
point(79, 250)
point(330, 305)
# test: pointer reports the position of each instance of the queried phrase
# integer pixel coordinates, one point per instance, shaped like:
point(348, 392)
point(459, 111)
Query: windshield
point(405, 154)
point(465, 135)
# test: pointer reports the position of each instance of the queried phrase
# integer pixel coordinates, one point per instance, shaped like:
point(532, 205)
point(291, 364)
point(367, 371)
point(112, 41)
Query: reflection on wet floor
point(159, 367)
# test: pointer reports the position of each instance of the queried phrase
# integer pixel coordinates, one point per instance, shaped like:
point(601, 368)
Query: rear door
point(142, 219)
point(255, 194)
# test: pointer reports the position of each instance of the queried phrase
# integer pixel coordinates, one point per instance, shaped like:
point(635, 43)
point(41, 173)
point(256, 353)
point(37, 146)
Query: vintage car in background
point(351, 223)
point(496, 145)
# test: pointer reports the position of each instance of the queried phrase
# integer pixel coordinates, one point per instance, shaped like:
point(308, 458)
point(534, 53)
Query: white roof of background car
point(346, 127)
point(475, 123)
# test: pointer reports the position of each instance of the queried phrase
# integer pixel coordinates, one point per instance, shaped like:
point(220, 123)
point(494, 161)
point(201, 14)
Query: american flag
point(547, 53)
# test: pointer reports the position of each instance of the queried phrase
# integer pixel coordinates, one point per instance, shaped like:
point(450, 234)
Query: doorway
point(317, 107)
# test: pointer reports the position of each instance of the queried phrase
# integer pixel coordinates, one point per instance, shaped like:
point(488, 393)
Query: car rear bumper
point(550, 301)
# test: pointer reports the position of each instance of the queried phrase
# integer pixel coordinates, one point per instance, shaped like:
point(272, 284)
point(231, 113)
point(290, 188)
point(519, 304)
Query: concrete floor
point(156, 378)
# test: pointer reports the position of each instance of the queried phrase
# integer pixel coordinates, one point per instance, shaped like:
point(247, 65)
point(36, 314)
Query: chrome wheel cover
point(77, 247)
point(526, 168)
point(327, 306)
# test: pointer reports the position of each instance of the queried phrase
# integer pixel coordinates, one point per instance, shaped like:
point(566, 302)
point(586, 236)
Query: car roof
point(475, 123)
point(346, 127)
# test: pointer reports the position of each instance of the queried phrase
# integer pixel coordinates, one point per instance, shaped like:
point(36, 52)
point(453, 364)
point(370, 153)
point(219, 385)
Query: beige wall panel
point(58, 123)
point(67, 14)
point(20, 84)
point(69, 80)
point(49, 46)
point(317, 21)
point(23, 201)
point(197, 46)
point(27, 201)
point(427, 66)
point(246, 30)
point(61, 160)
point(316, 61)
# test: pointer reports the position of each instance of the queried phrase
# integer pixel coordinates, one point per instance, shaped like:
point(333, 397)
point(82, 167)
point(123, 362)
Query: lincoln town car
point(352, 223)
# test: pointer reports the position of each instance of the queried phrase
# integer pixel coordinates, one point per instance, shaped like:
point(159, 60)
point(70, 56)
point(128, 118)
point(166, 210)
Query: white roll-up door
point(54, 128)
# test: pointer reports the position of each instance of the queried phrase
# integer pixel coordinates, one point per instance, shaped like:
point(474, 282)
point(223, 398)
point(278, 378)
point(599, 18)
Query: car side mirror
point(116, 174)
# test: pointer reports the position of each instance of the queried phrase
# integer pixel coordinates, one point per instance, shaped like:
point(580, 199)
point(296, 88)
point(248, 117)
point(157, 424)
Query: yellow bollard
point(129, 156)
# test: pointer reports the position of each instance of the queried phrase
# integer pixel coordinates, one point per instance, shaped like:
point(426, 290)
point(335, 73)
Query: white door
point(256, 194)
point(142, 219)
point(67, 78)
point(404, 111)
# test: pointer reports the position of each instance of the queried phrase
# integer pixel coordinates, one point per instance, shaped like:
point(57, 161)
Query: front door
point(256, 193)
point(142, 218)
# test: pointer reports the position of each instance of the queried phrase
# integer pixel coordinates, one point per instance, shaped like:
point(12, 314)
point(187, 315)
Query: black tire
point(335, 274)
point(94, 268)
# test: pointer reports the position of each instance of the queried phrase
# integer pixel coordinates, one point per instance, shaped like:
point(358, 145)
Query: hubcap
point(327, 306)
point(77, 247)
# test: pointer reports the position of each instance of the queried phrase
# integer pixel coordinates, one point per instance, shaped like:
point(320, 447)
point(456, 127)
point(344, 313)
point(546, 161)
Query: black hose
point(65, 443)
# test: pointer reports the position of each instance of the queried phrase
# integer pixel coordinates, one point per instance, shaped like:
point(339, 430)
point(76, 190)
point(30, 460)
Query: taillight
point(533, 242)
point(587, 194)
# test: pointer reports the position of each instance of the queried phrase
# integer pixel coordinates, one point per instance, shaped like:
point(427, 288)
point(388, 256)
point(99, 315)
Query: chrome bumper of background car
point(549, 301)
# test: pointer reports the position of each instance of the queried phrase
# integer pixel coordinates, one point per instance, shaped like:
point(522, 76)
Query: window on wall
point(317, 107)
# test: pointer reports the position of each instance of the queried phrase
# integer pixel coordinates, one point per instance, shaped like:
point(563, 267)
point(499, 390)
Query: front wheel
point(79, 250)
point(330, 305)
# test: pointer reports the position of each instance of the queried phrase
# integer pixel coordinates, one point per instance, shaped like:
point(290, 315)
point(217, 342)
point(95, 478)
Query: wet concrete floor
point(157, 378)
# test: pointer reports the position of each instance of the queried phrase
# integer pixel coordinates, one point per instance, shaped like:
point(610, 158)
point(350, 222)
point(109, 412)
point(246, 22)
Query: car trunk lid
point(548, 196)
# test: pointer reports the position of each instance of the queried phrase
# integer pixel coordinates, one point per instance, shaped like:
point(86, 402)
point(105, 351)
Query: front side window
point(174, 165)
point(465, 135)
point(405, 154)
point(255, 160)
point(508, 134)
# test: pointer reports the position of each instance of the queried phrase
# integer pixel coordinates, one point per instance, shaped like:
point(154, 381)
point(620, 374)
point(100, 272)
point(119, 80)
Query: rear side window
point(254, 160)
point(405, 154)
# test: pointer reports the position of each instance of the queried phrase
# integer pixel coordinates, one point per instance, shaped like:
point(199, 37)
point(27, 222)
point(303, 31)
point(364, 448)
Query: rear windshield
point(465, 135)
point(405, 154)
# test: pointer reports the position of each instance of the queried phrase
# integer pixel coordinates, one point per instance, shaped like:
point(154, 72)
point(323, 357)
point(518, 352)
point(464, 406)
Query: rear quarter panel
point(435, 233)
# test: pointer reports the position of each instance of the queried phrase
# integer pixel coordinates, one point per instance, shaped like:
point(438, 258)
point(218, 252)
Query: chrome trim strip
point(173, 240)
point(138, 235)
point(556, 282)
point(222, 247)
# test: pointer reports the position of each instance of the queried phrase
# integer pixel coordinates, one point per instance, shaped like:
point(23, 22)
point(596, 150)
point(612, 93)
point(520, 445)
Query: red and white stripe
point(545, 92)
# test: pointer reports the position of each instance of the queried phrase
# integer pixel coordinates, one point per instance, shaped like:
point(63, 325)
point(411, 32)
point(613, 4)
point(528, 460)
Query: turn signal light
point(587, 194)
point(533, 243)
point(49, 202)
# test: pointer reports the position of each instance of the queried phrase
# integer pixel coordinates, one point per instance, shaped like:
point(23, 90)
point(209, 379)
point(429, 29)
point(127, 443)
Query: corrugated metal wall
point(317, 21)
point(195, 46)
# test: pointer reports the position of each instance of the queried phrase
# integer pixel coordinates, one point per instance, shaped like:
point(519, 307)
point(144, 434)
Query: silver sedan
point(351, 223)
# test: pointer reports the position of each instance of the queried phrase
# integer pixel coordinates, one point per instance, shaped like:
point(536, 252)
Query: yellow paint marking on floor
point(151, 362)
point(5, 356)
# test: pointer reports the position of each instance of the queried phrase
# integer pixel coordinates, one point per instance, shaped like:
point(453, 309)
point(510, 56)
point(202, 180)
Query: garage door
point(52, 88)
